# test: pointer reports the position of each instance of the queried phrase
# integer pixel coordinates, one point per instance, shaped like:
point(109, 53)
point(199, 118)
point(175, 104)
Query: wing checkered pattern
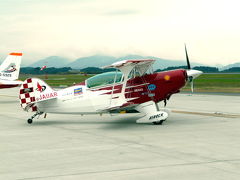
point(26, 96)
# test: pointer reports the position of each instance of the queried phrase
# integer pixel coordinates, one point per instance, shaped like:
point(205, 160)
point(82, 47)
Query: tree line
point(205, 69)
point(95, 70)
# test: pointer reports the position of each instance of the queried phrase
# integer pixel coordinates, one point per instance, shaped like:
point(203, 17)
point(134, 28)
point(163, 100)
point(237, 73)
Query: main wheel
point(29, 121)
point(158, 122)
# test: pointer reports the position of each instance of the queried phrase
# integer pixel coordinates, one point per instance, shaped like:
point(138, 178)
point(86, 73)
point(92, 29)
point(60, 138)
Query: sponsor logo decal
point(67, 93)
point(47, 96)
point(77, 91)
point(156, 116)
point(40, 88)
point(138, 90)
point(152, 87)
point(10, 69)
point(5, 75)
point(148, 94)
point(151, 94)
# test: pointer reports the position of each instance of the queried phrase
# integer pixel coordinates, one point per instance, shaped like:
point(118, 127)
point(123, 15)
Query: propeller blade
point(191, 73)
point(188, 62)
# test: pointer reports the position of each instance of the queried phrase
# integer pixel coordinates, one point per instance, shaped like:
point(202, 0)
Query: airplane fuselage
point(80, 99)
point(3, 86)
point(9, 84)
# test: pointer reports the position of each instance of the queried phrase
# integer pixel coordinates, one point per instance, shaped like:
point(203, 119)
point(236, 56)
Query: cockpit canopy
point(104, 79)
point(113, 77)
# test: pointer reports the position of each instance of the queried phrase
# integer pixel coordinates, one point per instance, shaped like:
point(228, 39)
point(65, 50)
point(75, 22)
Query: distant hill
point(100, 61)
point(92, 61)
point(232, 70)
point(230, 66)
point(52, 61)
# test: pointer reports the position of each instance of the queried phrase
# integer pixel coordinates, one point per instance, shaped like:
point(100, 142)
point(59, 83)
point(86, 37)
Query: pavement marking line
point(213, 114)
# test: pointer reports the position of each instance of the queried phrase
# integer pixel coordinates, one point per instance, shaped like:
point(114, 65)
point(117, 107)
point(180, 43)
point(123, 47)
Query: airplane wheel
point(158, 122)
point(29, 121)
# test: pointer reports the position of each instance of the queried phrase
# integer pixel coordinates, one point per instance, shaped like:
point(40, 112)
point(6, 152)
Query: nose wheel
point(29, 121)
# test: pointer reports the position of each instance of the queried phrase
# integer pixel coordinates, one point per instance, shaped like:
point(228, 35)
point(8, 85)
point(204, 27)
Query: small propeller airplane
point(132, 87)
point(9, 71)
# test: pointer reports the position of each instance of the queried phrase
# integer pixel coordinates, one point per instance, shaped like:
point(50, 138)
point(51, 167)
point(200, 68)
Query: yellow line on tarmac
point(208, 114)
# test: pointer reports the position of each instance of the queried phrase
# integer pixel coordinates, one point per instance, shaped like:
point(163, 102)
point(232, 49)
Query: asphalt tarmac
point(200, 140)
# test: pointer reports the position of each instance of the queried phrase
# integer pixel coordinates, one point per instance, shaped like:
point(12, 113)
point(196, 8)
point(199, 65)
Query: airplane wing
point(119, 107)
point(126, 67)
point(141, 64)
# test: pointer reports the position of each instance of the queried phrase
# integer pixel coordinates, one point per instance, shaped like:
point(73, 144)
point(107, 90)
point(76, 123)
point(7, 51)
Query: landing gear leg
point(158, 109)
point(30, 120)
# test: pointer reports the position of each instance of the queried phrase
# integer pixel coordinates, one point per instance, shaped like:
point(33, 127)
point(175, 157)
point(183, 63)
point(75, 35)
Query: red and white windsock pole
point(44, 67)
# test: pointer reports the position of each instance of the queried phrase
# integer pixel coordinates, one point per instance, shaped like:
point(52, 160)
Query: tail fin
point(35, 90)
point(10, 68)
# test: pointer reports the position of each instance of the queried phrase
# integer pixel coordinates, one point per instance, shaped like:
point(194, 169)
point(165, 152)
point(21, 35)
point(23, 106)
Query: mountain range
point(230, 66)
point(52, 61)
point(100, 61)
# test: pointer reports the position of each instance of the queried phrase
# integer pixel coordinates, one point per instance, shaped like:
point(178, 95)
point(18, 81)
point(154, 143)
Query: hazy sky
point(77, 28)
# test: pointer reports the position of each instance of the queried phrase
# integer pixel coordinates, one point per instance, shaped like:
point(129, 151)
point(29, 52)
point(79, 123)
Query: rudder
point(35, 90)
point(10, 68)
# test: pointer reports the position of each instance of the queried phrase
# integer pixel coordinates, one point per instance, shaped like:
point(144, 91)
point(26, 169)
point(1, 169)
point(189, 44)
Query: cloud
point(77, 28)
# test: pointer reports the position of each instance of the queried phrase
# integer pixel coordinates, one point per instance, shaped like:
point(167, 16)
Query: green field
point(205, 83)
point(59, 80)
point(216, 83)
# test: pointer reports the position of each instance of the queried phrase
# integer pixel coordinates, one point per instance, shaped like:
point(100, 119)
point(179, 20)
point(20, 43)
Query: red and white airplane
point(132, 87)
point(9, 71)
